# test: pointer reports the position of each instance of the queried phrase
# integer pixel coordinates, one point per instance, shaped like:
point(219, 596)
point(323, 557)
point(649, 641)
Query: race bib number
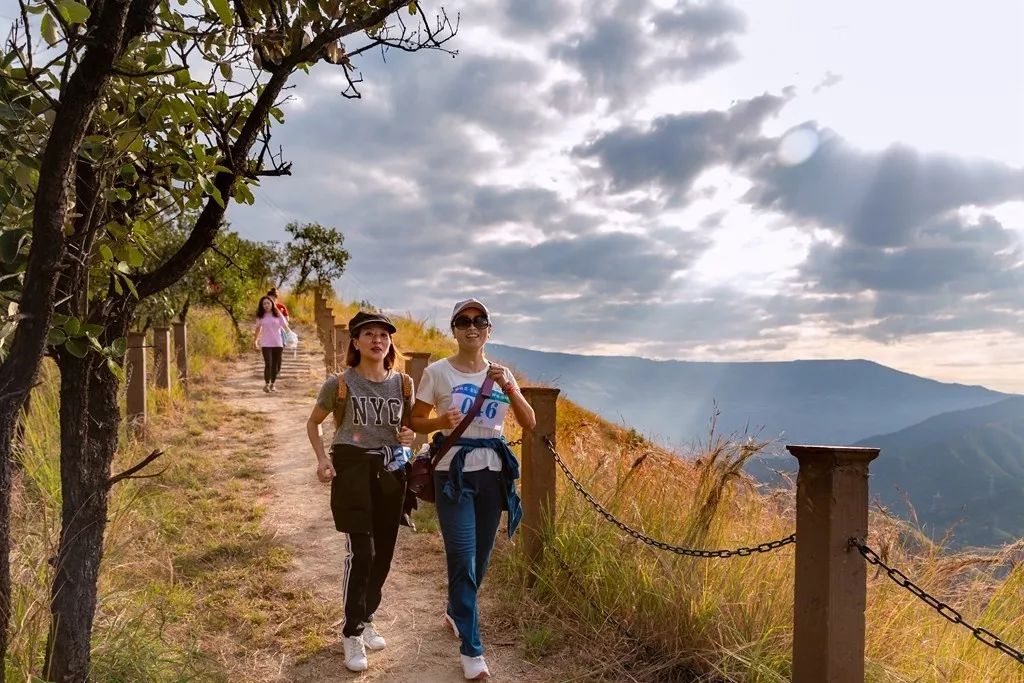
point(493, 410)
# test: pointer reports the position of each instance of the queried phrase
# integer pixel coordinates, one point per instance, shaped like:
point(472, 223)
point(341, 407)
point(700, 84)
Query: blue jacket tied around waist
point(452, 489)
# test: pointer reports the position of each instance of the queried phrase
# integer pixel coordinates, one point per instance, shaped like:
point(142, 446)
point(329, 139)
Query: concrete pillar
point(538, 475)
point(831, 577)
point(181, 350)
point(414, 367)
point(162, 357)
point(135, 369)
point(330, 345)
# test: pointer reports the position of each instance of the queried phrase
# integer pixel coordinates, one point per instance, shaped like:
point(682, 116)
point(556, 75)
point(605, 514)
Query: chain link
point(948, 612)
point(517, 442)
point(661, 545)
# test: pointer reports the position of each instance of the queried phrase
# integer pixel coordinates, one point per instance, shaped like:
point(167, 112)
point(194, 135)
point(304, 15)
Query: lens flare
point(797, 146)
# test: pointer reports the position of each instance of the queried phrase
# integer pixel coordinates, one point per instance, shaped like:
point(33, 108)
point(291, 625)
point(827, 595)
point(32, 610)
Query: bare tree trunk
point(89, 425)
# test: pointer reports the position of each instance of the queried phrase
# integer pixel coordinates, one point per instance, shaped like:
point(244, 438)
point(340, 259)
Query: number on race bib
point(492, 412)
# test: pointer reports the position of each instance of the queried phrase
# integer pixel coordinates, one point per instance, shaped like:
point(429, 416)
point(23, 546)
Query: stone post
point(181, 350)
point(135, 368)
point(162, 357)
point(538, 476)
point(831, 577)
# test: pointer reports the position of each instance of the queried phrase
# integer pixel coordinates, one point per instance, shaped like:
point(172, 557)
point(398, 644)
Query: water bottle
point(400, 456)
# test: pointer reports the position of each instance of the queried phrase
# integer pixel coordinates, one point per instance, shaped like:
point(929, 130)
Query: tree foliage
point(315, 251)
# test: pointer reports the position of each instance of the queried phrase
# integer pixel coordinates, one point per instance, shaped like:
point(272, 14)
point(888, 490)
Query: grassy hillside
point(191, 586)
point(961, 471)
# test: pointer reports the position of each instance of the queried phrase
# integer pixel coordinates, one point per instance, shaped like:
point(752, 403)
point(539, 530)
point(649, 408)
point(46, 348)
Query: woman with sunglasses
point(475, 480)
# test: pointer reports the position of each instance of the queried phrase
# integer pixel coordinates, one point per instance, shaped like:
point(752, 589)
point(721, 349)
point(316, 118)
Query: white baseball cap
point(468, 303)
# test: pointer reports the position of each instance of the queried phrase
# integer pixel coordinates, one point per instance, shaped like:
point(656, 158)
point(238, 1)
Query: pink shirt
point(270, 330)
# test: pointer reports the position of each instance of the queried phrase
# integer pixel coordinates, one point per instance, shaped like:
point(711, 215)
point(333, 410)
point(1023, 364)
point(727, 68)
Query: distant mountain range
point(961, 470)
point(809, 401)
point(955, 451)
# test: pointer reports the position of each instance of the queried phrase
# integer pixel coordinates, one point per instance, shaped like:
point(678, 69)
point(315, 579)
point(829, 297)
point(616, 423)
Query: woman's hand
point(325, 470)
point(500, 374)
point(453, 417)
point(406, 436)
point(256, 344)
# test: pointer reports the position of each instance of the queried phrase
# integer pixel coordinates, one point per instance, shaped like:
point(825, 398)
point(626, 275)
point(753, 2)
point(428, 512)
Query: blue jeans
point(469, 526)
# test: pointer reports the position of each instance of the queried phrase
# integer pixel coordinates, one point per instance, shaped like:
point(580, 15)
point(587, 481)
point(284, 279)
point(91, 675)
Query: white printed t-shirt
point(442, 385)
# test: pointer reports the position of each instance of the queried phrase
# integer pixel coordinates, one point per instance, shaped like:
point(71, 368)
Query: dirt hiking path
point(419, 648)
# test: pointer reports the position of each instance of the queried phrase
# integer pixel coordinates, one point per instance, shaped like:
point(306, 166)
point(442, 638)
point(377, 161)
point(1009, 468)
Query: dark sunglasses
point(480, 322)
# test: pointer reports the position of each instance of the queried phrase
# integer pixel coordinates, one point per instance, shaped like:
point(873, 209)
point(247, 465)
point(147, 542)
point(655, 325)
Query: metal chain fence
point(948, 612)
point(661, 545)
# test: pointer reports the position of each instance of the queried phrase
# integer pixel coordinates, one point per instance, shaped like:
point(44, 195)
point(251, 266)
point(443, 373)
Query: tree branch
point(130, 472)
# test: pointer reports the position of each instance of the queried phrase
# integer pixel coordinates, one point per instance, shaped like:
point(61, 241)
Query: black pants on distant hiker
point(366, 501)
point(272, 363)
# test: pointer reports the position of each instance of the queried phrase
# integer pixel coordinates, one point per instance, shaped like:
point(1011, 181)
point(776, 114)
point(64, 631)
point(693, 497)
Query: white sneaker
point(474, 668)
point(450, 623)
point(355, 653)
point(266, 388)
point(371, 638)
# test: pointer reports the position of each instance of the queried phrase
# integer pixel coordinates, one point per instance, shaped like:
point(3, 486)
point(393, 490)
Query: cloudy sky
point(720, 180)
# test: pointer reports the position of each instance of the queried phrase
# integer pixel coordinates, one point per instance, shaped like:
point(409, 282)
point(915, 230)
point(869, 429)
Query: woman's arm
point(520, 408)
point(324, 468)
point(422, 422)
point(256, 336)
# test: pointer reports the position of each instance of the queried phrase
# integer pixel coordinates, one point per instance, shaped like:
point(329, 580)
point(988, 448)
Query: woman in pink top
point(269, 325)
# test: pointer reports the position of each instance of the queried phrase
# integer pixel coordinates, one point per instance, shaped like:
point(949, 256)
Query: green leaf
point(73, 12)
point(11, 242)
point(76, 347)
point(135, 258)
point(225, 70)
point(73, 327)
point(131, 286)
point(412, 7)
point(223, 9)
point(56, 338)
point(119, 346)
point(106, 252)
point(92, 330)
point(48, 29)
point(115, 369)
point(123, 267)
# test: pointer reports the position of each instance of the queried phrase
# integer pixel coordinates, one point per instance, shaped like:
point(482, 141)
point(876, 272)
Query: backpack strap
point(406, 386)
point(340, 400)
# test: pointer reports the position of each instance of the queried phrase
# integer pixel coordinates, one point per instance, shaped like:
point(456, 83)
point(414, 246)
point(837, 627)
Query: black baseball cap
point(363, 318)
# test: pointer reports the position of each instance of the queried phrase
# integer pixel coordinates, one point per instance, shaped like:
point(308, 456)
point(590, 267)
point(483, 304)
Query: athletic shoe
point(272, 387)
point(355, 653)
point(372, 639)
point(474, 668)
point(449, 623)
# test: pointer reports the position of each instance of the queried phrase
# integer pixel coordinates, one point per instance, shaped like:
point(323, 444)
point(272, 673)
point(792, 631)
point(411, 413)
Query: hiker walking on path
point(270, 325)
point(475, 480)
point(371, 407)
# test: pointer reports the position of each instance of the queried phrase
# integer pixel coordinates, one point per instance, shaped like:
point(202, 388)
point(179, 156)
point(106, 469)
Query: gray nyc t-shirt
point(374, 411)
